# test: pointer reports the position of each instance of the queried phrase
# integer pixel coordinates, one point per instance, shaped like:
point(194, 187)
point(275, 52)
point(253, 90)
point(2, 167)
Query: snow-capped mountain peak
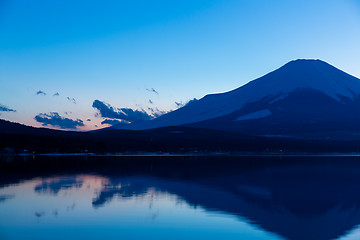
point(277, 85)
point(300, 74)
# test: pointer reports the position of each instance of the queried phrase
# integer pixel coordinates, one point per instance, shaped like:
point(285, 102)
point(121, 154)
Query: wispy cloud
point(4, 108)
point(39, 214)
point(179, 104)
point(152, 90)
point(150, 101)
point(54, 119)
point(156, 112)
point(71, 100)
point(5, 197)
point(56, 185)
point(182, 104)
point(127, 114)
point(111, 122)
point(56, 94)
point(41, 93)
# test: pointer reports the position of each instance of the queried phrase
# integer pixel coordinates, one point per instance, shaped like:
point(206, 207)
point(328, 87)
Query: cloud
point(71, 100)
point(6, 197)
point(191, 101)
point(55, 186)
point(127, 114)
point(152, 90)
point(4, 108)
point(151, 102)
point(40, 93)
point(156, 112)
point(89, 120)
point(39, 214)
point(182, 104)
point(56, 94)
point(179, 104)
point(54, 119)
point(111, 122)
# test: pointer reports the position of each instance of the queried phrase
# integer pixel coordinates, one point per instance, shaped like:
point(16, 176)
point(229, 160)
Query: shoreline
point(188, 154)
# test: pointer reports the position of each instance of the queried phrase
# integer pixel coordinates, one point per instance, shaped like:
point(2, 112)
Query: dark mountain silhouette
point(17, 138)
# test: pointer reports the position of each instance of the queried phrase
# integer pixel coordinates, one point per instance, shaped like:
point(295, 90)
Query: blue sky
point(115, 50)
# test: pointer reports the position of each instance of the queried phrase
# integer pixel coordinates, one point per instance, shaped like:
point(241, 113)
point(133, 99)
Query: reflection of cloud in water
point(56, 212)
point(120, 188)
point(71, 207)
point(130, 187)
point(5, 197)
point(153, 216)
point(54, 186)
point(39, 214)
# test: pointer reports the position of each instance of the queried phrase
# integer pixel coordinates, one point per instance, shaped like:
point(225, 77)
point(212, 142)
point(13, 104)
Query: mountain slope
point(303, 113)
point(311, 84)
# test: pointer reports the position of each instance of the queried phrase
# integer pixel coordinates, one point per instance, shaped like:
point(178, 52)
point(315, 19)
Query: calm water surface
point(180, 198)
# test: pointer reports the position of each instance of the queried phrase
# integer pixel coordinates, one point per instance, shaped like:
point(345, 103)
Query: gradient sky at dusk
point(116, 51)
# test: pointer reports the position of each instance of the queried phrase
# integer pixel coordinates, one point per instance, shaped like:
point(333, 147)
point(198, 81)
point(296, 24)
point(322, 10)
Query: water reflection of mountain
point(295, 213)
point(294, 198)
point(311, 201)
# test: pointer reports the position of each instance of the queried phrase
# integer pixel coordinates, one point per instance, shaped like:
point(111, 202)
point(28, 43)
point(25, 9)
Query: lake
point(165, 197)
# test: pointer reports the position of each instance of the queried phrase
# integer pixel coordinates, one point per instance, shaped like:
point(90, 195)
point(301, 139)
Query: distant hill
point(17, 138)
point(7, 127)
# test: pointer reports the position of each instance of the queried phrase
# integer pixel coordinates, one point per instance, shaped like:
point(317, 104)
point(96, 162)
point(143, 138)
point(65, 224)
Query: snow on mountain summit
point(300, 74)
point(295, 75)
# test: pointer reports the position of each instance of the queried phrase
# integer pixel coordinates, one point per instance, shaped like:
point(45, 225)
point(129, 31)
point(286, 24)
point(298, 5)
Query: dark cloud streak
point(111, 122)
point(127, 114)
point(4, 108)
point(40, 93)
point(156, 112)
point(181, 104)
point(71, 100)
point(6, 197)
point(54, 119)
point(152, 90)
